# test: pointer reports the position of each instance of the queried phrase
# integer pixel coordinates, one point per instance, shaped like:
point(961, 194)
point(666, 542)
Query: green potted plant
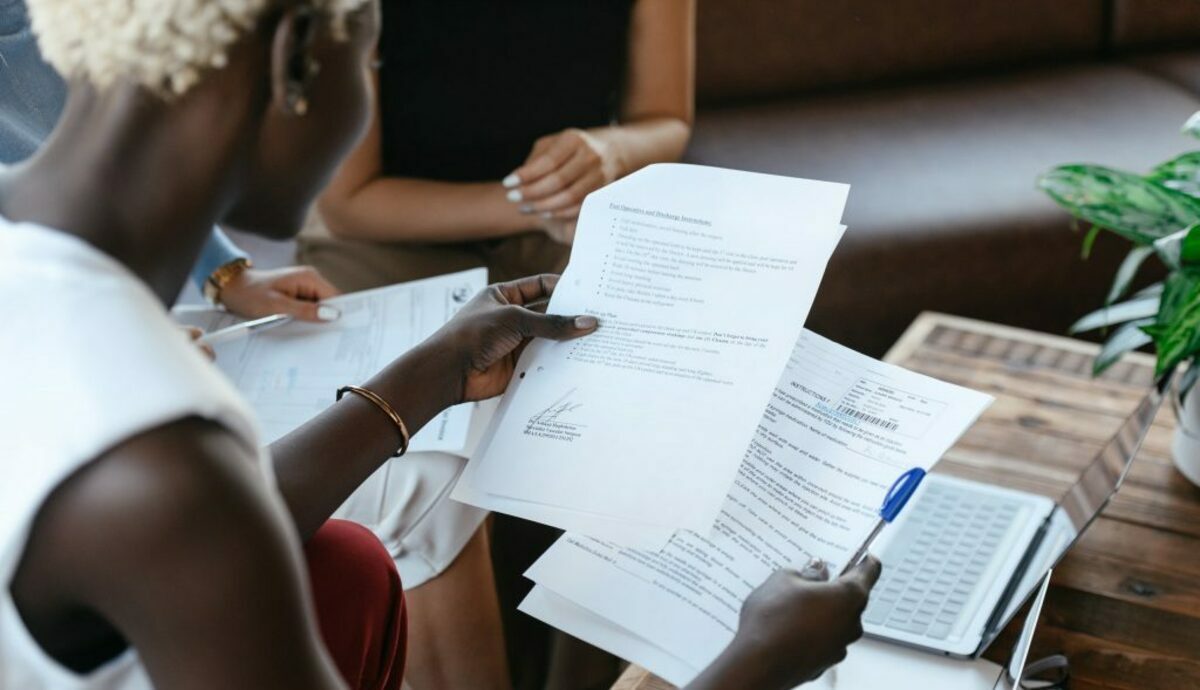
point(1160, 214)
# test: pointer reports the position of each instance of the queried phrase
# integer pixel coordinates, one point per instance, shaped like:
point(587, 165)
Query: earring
point(297, 102)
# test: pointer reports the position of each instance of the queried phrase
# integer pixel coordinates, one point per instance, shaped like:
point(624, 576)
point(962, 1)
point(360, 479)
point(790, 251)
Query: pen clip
point(902, 490)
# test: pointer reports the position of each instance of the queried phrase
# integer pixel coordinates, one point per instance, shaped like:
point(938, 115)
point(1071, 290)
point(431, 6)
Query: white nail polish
point(512, 180)
point(328, 313)
point(514, 195)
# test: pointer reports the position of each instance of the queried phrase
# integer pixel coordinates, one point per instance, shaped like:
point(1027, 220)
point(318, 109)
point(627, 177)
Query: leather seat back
point(1155, 24)
point(750, 49)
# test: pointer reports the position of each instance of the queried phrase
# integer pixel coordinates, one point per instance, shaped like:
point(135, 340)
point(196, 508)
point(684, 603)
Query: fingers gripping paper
point(838, 430)
point(702, 279)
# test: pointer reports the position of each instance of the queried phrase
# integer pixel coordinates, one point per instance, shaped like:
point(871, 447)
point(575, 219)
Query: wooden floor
point(1125, 605)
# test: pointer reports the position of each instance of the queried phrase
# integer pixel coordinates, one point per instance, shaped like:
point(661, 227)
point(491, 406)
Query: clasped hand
point(560, 171)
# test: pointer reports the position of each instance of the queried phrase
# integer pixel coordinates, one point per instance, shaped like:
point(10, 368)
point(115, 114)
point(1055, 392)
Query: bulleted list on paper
point(839, 429)
point(701, 279)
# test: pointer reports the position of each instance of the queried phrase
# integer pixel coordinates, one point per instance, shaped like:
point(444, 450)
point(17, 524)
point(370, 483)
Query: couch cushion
point(943, 211)
point(756, 48)
point(1181, 68)
point(1140, 24)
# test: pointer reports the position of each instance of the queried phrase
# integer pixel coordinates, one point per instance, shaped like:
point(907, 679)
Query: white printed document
point(839, 429)
point(865, 664)
point(702, 279)
point(291, 373)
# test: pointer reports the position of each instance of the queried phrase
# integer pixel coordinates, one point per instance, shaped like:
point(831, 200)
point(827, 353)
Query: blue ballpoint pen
point(902, 490)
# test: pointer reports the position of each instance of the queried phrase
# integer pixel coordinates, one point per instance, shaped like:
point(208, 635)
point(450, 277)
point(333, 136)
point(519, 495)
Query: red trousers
point(360, 604)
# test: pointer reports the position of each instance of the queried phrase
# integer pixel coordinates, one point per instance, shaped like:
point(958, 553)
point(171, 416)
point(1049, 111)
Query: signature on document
point(557, 422)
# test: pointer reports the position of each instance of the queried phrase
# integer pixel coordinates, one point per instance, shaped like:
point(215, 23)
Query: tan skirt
point(353, 265)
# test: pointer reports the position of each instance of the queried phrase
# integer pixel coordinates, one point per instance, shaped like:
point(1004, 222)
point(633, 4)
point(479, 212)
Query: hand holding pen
point(895, 500)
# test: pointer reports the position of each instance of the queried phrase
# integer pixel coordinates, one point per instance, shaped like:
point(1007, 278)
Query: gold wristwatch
point(221, 277)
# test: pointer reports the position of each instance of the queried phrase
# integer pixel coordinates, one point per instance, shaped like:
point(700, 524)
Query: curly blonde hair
point(163, 45)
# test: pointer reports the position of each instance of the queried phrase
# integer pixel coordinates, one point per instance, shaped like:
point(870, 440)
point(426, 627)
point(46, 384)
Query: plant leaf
point(1180, 250)
point(1125, 339)
point(1126, 271)
point(1127, 204)
point(1117, 313)
point(1181, 174)
point(1088, 240)
point(1154, 290)
point(1192, 126)
point(1176, 328)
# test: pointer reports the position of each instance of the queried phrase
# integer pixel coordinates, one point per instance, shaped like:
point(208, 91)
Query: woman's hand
point(561, 170)
point(480, 346)
point(793, 627)
point(561, 230)
point(195, 334)
point(296, 291)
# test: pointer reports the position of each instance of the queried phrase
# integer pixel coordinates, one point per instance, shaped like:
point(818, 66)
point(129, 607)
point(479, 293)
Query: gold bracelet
point(221, 277)
point(387, 410)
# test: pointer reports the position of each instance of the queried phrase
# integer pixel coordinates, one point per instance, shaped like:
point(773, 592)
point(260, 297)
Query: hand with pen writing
point(792, 628)
point(296, 291)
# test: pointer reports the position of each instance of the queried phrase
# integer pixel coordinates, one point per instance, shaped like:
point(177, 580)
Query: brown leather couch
point(941, 114)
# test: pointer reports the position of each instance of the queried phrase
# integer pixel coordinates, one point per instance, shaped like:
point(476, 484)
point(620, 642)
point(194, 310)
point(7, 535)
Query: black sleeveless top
point(467, 86)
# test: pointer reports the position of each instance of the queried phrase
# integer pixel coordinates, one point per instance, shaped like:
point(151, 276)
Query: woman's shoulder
point(91, 359)
point(89, 343)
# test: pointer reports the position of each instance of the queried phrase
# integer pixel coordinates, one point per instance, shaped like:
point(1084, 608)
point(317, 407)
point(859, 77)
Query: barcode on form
point(869, 418)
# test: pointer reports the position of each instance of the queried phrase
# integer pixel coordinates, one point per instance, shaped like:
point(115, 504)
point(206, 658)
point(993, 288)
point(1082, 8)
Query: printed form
point(701, 279)
point(839, 429)
point(291, 373)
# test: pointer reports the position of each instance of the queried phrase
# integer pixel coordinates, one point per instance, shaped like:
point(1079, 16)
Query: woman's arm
point(658, 108)
point(218, 251)
point(655, 120)
point(362, 203)
point(170, 538)
point(654, 125)
point(471, 358)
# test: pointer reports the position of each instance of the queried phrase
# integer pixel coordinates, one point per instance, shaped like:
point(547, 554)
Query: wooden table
point(1125, 604)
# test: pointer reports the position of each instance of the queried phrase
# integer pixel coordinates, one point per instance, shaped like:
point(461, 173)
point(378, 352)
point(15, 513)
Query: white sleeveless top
point(89, 359)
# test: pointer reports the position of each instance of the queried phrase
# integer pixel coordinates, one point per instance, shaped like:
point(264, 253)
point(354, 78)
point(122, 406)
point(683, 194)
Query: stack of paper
point(840, 427)
point(699, 440)
point(701, 279)
point(290, 373)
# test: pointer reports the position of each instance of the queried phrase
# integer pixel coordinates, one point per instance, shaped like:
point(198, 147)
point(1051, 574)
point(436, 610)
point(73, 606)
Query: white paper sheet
point(290, 373)
point(702, 279)
point(866, 662)
point(627, 533)
point(579, 622)
point(840, 428)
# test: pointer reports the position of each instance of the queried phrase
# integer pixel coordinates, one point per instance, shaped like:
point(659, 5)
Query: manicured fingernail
point(547, 214)
point(586, 322)
point(526, 209)
point(511, 181)
point(328, 313)
point(514, 195)
point(815, 570)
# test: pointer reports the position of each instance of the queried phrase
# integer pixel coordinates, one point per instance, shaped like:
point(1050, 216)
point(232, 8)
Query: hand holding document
point(289, 373)
point(838, 430)
point(702, 279)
